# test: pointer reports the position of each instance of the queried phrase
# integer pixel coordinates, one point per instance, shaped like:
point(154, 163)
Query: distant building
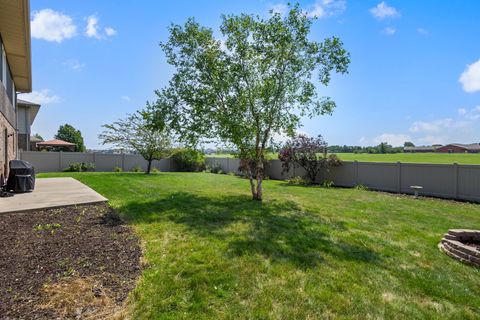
point(460, 148)
point(33, 143)
point(56, 145)
point(421, 149)
point(26, 113)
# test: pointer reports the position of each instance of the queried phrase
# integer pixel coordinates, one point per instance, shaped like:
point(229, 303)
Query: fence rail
point(452, 181)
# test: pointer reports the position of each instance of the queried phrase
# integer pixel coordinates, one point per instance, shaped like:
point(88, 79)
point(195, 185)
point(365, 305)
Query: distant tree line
point(381, 148)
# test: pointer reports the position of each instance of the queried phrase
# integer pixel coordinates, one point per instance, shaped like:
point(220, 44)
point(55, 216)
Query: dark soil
point(45, 247)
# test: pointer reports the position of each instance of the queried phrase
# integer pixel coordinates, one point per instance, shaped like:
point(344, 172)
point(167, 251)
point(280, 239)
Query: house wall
point(454, 149)
point(23, 142)
point(7, 139)
point(7, 114)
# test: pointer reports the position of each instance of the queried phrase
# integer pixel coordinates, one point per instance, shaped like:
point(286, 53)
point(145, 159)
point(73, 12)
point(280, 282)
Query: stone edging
point(453, 244)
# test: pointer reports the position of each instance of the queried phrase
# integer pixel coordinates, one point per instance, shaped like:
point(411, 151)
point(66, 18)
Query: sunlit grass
point(304, 253)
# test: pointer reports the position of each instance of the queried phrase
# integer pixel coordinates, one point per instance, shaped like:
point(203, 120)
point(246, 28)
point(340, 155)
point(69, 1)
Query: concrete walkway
point(51, 193)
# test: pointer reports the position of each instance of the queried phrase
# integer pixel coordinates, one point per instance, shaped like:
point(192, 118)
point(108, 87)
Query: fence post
point(94, 160)
point(60, 161)
point(228, 165)
point(399, 170)
point(356, 172)
point(123, 161)
point(455, 180)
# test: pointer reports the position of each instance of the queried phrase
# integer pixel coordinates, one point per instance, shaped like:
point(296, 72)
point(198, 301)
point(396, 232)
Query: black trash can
point(21, 177)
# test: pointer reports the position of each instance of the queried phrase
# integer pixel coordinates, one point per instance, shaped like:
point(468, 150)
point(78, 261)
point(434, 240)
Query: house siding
point(7, 137)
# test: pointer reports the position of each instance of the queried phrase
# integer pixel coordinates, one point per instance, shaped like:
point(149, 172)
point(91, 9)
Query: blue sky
point(415, 71)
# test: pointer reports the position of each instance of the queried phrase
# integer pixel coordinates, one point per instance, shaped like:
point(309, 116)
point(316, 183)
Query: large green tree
point(135, 132)
point(70, 134)
point(256, 82)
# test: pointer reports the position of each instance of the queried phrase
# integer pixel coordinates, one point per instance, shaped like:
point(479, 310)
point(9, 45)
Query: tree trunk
point(149, 167)
point(259, 194)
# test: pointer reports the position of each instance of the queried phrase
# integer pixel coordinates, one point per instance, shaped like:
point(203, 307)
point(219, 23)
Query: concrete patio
point(51, 193)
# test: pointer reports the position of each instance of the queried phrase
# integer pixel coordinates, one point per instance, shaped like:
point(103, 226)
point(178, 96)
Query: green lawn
point(304, 253)
point(461, 158)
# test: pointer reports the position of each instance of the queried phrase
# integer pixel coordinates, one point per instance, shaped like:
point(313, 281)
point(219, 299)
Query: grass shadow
point(278, 230)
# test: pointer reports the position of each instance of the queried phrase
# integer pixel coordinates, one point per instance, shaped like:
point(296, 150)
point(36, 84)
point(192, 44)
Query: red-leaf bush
point(309, 153)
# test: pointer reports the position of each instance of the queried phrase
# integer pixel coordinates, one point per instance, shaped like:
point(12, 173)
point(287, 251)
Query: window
point(4, 66)
point(6, 75)
point(9, 85)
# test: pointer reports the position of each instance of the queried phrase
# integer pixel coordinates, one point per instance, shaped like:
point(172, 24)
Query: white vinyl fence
point(453, 181)
point(58, 161)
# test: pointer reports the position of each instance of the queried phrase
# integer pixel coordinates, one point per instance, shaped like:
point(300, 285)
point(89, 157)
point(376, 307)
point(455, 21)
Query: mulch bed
point(47, 247)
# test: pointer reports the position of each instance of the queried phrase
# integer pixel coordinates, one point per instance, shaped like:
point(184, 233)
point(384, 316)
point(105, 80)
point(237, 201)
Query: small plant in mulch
point(111, 218)
point(48, 227)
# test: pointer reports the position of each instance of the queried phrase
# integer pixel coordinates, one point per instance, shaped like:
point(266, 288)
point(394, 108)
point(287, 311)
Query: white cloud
point(74, 65)
point(325, 8)
point(110, 31)
point(432, 126)
point(42, 97)
point(126, 98)
point(423, 31)
point(52, 26)
point(470, 78)
point(91, 30)
point(389, 31)
point(392, 139)
point(94, 30)
point(279, 8)
point(383, 11)
point(461, 129)
point(431, 140)
point(472, 114)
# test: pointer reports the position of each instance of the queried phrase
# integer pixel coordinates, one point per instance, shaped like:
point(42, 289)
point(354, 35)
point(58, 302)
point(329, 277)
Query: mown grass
point(437, 158)
point(304, 253)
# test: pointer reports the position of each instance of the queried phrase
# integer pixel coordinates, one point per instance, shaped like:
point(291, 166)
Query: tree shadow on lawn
point(278, 230)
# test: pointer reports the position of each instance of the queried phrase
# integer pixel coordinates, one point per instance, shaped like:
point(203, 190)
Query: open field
point(460, 158)
point(304, 253)
point(439, 158)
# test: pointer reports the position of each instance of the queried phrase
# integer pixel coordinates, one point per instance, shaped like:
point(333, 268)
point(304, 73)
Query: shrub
point(80, 167)
point(299, 181)
point(215, 168)
point(155, 170)
point(309, 153)
point(137, 168)
point(327, 183)
point(361, 187)
point(189, 160)
point(117, 169)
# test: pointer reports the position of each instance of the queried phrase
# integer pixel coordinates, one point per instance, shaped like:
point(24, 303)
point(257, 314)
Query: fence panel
point(378, 176)
point(468, 182)
point(436, 179)
point(70, 157)
point(107, 162)
point(42, 161)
